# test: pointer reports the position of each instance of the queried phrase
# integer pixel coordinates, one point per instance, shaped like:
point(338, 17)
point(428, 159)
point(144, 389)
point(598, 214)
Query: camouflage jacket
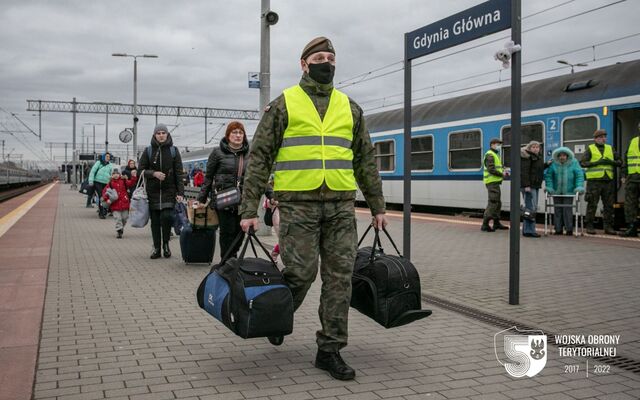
point(268, 139)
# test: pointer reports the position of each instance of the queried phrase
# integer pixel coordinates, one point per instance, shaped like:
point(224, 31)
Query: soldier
point(631, 179)
point(600, 161)
point(318, 139)
point(492, 178)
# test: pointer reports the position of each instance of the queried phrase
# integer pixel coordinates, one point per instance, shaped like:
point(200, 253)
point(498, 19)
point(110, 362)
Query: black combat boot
point(155, 254)
point(166, 250)
point(119, 235)
point(591, 230)
point(498, 226)
point(485, 225)
point(336, 366)
point(632, 231)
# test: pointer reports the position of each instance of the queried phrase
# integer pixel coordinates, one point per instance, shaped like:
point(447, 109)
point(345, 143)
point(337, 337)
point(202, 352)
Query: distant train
point(15, 177)
point(450, 137)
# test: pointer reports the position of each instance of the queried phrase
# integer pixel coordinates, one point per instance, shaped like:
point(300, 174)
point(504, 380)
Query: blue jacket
point(564, 179)
point(101, 171)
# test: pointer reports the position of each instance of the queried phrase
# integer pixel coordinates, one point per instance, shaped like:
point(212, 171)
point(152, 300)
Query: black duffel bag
point(386, 288)
point(248, 295)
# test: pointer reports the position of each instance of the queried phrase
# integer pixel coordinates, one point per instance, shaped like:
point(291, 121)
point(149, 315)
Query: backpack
point(150, 152)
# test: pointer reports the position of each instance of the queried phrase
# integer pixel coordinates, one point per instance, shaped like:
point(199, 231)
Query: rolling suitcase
point(248, 295)
point(386, 288)
point(197, 245)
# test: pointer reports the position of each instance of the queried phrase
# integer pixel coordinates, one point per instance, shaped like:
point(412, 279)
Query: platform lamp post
point(135, 94)
point(565, 62)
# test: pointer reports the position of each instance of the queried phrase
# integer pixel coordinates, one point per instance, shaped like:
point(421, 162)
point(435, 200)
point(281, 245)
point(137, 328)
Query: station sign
point(86, 157)
point(484, 19)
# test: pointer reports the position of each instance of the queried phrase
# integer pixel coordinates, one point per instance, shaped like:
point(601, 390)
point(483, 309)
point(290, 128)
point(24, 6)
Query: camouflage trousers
point(494, 204)
point(597, 190)
point(327, 230)
point(631, 199)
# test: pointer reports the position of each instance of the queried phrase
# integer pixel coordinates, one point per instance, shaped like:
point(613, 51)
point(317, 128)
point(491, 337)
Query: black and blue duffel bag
point(248, 295)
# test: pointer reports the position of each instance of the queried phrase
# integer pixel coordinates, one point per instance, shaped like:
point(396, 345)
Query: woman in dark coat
point(222, 173)
point(531, 178)
point(162, 166)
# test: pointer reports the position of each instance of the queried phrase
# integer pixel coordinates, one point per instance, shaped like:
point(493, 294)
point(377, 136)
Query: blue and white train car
point(450, 137)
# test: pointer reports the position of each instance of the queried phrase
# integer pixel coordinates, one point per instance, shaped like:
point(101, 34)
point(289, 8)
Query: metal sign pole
point(406, 207)
point(516, 104)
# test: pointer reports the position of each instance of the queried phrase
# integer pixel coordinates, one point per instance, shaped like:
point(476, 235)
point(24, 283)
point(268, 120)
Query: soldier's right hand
point(245, 224)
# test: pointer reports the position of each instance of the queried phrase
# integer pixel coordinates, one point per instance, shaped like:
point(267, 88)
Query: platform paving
point(118, 325)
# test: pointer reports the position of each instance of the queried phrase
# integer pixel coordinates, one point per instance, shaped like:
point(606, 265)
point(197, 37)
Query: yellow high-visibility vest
point(488, 177)
point(598, 171)
point(315, 150)
point(633, 157)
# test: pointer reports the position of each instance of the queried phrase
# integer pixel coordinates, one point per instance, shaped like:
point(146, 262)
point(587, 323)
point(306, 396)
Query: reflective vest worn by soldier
point(599, 171)
point(315, 150)
point(489, 177)
point(633, 157)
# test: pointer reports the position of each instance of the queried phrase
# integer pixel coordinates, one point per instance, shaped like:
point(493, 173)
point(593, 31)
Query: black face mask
point(322, 73)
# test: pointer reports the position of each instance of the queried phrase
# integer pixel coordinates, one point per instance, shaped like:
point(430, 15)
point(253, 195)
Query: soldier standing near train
point(318, 139)
point(493, 174)
point(631, 179)
point(600, 160)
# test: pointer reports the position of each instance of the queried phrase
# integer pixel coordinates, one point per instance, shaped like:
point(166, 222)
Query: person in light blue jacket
point(99, 177)
point(563, 177)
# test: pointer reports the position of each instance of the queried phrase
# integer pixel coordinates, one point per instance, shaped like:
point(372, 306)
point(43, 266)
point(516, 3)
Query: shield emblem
point(522, 353)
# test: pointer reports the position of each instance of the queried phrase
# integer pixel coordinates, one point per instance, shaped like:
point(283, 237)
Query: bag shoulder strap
point(240, 169)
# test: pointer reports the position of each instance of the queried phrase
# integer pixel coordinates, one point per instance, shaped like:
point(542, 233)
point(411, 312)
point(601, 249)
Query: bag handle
point(377, 244)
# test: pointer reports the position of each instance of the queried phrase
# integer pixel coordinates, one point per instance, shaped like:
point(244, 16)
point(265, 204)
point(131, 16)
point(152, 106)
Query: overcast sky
point(57, 50)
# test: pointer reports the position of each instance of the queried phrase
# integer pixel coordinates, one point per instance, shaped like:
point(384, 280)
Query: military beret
point(320, 43)
point(494, 140)
point(599, 132)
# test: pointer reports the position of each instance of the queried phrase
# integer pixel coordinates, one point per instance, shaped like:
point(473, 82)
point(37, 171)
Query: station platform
point(117, 325)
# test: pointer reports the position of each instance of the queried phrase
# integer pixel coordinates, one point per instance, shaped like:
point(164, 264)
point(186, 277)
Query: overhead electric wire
point(506, 80)
point(593, 46)
point(478, 45)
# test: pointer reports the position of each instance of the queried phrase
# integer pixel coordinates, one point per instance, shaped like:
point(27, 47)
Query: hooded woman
point(531, 177)
point(222, 173)
point(564, 177)
point(162, 166)
point(99, 176)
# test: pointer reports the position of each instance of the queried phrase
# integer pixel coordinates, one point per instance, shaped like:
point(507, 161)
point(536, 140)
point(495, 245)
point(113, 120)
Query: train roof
point(195, 154)
point(612, 81)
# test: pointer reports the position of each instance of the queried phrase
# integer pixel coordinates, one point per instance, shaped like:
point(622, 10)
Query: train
point(450, 137)
point(11, 177)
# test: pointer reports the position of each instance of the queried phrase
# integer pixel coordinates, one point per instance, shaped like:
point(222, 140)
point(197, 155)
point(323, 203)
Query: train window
point(385, 155)
point(422, 153)
point(465, 150)
point(577, 133)
point(528, 132)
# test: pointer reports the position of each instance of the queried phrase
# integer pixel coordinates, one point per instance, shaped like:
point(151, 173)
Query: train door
point(626, 127)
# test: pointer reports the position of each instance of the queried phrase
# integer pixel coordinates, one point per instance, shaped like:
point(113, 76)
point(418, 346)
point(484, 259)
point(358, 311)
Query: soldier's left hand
point(380, 221)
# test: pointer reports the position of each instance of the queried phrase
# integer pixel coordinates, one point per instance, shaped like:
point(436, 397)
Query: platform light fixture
point(135, 93)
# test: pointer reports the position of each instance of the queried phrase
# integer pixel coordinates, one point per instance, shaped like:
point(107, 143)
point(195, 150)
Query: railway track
point(10, 193)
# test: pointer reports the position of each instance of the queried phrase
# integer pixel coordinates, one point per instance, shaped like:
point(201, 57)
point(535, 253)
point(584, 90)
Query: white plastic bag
point(139, 208)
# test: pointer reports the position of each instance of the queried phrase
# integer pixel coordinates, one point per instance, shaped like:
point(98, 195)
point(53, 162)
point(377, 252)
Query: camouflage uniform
point(494, 202)
point(600, 188)
point(631, 194)
point(318, 222)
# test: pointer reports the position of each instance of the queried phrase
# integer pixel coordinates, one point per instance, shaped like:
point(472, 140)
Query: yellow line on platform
point(14, 216)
